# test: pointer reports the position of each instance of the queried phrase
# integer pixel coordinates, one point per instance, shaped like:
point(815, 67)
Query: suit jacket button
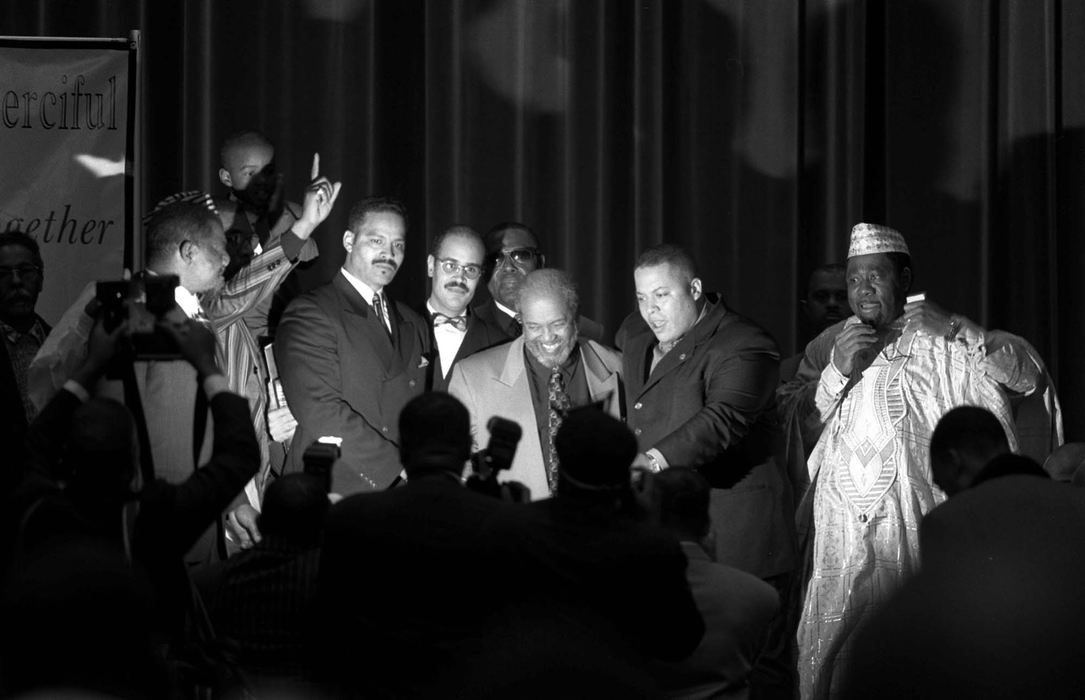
point(637, 405)
point(636, 431)
point(410, 383)
point(682, 357)
point(384, 429)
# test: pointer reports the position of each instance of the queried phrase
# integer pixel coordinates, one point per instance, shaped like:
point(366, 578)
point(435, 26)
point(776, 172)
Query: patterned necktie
point(378, 308)
point(458, 322)
point(559, 404)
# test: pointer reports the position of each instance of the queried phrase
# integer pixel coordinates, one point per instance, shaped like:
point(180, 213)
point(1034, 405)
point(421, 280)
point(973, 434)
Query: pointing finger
point(316, 167)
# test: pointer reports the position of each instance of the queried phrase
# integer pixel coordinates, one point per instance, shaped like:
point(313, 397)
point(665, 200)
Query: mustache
point(457, 285)
point(387, 261)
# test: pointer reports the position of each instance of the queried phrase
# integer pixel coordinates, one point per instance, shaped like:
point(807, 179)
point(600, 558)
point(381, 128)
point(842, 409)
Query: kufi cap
point(870, 239)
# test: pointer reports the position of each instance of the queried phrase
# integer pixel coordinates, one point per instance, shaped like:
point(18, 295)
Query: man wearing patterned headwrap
point(869, 391)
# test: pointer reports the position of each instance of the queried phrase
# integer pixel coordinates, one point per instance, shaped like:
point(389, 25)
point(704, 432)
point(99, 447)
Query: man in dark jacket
point(700, 383)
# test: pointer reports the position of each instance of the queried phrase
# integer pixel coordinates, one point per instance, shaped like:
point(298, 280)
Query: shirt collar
point(504, 309)
point(36, 331)
point(188, 302)
point(364, 289)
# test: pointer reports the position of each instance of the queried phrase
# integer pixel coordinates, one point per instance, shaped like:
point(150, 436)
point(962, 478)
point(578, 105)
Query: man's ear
point(695, 288)
point(348, 240)
point(187, 250)
point(906, 279)
point(542, 261)
point(429, 265)
point(224, 177)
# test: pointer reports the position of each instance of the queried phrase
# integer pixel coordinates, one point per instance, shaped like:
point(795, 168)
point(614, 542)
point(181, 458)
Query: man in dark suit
point(405, 575)
point(701, 381)
point(23, 331)
point(455, 268)
point(349, 358)
point(512, 253)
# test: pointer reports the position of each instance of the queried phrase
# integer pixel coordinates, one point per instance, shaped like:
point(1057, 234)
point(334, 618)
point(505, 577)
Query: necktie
point(378, 308)
point(458, 322)
point(517, 326)
point(559, 404)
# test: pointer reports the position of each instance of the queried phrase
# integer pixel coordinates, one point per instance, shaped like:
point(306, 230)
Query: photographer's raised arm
point(64, 350)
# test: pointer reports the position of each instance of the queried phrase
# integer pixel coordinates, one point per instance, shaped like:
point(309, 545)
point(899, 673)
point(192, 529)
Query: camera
point(497, 457)
point(318, 460)
point(142, 301)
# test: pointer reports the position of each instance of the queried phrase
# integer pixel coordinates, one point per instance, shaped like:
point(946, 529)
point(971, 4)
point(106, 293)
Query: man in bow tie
point(455, 267)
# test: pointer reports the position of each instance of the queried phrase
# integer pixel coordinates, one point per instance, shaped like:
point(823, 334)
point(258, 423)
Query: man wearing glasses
point(23, 330)
point(455, 268)
point(512, 253)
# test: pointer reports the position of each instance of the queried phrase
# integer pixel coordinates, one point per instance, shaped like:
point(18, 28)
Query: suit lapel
point(602, 381)
point(363, 328)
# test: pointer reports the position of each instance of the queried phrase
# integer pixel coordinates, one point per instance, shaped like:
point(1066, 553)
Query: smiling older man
point(534, 379)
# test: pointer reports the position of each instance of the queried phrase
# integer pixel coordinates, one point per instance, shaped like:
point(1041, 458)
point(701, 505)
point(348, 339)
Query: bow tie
point(457, 322)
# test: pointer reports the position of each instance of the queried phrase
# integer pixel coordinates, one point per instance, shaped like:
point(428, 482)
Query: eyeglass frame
point(495, 258)
point(27, 271)
point(457, 266)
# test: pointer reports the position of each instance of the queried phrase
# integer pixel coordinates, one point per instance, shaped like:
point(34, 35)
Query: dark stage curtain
point(755, 132)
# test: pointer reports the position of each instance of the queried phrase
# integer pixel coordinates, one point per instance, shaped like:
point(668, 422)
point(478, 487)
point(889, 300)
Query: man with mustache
point(350, 358)
point(512, 253)
point(455, 268)
point(21, 275)
point(537, 377)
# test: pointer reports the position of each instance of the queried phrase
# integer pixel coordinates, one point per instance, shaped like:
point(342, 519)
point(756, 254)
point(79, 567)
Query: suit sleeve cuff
point(214, 384)
point(656, 457)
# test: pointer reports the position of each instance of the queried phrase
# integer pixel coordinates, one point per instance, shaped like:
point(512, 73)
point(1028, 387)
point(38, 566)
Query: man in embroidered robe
point(873, 387)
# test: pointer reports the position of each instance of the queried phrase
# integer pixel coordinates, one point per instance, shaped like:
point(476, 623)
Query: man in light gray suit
point(535, 378)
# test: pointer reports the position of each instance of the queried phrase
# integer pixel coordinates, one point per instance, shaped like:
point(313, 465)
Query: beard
point(554, 359)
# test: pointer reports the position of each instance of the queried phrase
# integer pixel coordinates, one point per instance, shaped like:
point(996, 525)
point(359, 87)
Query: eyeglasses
point(24, 271)
point(451, 267)
point(516, 256)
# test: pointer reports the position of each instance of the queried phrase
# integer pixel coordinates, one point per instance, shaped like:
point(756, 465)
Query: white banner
point(67, 111)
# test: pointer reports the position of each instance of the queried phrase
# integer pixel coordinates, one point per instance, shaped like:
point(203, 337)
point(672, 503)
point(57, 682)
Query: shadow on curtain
point(753, 132)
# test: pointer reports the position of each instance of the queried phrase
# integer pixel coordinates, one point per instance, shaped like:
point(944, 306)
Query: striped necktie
point(378, 307)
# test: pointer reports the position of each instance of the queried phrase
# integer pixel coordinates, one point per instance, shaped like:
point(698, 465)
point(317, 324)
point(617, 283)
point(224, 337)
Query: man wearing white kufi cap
point(869, 393)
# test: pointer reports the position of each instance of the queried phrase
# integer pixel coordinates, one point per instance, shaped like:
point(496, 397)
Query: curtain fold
point(754, 132)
